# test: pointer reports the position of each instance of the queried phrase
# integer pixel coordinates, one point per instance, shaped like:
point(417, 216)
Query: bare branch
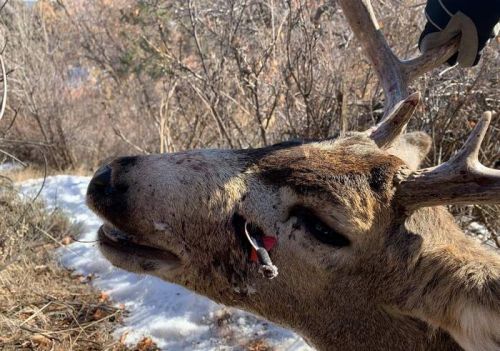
point(4, 96)
point(13, 157)
point(3, 5)
point(119, 134)
point(461, 180)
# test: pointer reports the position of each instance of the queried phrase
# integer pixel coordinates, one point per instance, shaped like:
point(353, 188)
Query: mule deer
point(367, 257)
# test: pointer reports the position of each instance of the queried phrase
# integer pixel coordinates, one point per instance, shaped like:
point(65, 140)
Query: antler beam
point(394, 74)
point(461, 180)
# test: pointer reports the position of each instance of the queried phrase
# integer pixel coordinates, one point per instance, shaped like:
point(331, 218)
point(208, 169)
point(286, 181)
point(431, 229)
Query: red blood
point(269, 242)
point(253, 256)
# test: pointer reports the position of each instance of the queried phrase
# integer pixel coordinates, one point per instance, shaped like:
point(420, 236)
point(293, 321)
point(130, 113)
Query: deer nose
point(102, 178)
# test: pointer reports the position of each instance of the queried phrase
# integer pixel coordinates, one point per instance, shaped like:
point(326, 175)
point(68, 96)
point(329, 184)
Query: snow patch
point(481, 233)
point(175, 318)
point(10, 166)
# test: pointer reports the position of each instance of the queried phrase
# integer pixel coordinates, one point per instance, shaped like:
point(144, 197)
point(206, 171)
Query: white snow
point(480, 232)
point(10, 166)
point(175, 318)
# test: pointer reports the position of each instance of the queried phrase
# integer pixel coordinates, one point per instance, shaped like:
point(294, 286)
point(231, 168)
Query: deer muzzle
point(120, 241)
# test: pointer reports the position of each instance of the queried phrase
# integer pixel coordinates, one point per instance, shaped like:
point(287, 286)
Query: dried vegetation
point(42, 305)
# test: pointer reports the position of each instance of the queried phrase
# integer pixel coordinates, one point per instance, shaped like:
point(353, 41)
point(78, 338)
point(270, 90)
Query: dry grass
point(43, 306)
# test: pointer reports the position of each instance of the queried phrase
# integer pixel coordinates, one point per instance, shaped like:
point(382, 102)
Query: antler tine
point(394, 74)
point(469, 153)
point(461, 180)
point(387, 131)
point(4, 97)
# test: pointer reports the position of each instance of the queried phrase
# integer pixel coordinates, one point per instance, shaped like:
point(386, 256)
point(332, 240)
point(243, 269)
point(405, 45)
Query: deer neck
point(342, 320)
point(453, 282)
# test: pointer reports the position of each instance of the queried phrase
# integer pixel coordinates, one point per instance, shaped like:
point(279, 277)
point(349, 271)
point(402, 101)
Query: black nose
point(102, 178)
point(106, 193)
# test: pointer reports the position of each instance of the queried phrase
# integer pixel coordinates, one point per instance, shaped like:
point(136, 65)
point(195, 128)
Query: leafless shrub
point(106, 78)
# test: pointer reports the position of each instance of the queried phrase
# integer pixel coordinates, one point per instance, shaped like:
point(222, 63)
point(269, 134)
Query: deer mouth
point(113, 240)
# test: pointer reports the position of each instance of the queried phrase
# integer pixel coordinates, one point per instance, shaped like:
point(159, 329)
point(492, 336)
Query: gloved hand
point(476, 21)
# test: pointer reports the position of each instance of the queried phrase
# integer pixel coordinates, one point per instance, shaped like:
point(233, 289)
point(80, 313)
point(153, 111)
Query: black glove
point(474, 20)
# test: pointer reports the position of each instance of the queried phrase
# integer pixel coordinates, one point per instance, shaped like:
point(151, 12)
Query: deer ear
point(412, 148)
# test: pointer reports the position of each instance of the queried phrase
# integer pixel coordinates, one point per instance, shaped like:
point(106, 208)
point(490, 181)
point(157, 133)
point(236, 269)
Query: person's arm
point(476, 21)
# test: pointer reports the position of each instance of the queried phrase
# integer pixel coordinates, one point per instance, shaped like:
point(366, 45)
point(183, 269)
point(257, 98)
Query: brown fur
point(405, 282)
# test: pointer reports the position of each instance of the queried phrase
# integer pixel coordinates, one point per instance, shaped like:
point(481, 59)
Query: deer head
point(363, 261)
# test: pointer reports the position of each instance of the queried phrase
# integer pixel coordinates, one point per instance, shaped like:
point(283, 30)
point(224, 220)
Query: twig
point(119, 134)
point(45, 170)
point(4, 77)
point(13, 157)
point(39, 331)
point(3, 5)
point(46, 233)
point(11, 123)
point(35, 314)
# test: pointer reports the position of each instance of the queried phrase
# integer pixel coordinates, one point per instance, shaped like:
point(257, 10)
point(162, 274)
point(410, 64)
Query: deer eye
point(319, 229)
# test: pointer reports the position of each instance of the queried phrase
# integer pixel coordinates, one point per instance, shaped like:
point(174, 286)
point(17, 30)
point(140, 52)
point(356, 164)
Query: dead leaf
point(98, 314)
point(123, 338)
point(146, 344)
point(41, 341)
point(103, 297)
point(67, 240)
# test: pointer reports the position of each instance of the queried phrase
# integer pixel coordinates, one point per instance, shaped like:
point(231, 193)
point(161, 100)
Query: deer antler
point(386, 132)
point(461, 180)
point(394, 74)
